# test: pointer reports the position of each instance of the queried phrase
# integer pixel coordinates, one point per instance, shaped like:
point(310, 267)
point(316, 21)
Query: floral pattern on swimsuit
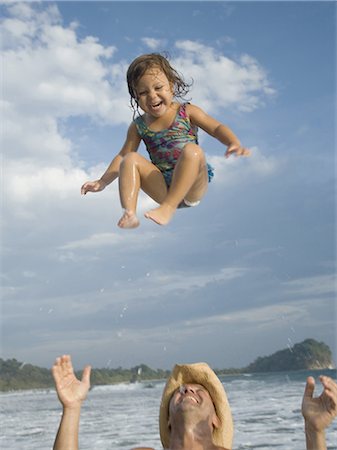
point(164, 147)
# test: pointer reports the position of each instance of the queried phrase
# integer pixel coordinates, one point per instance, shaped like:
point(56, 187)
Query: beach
point(266, 410)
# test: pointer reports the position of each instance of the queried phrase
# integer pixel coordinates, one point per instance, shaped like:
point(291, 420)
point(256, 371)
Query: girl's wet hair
point(140, 65)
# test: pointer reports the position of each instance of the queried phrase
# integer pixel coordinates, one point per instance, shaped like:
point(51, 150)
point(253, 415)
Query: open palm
point(320, 411)
point(70, 390)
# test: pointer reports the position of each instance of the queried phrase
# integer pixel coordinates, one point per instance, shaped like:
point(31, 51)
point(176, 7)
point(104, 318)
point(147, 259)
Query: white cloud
point(34, 138)
point(233, 171)
point(94, 241)
point(152, 43)
point(168, 282)
point(29, 274)
point(265, 318)
point(221, 82)
point(25, 183)
point(261, 316)
point(50, 74)
point(157, 285)
point(318, 285)
point(63, 75)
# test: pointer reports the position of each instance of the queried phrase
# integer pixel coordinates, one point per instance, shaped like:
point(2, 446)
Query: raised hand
point(320, 411)
point(93, 186)
point(71, 391)
point(237, 150)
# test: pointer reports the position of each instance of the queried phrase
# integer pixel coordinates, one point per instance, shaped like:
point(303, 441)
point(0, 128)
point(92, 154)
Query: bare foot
point(161, 215)
point(128, 220)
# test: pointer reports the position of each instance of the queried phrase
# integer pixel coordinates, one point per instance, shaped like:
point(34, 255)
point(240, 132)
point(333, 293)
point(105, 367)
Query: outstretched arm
point(218, 130)
point(71, 393)
point(131, 144)
point(318, 412)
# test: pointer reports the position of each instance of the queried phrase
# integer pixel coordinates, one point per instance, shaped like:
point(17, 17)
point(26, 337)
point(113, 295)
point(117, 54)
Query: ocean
point(266, 410)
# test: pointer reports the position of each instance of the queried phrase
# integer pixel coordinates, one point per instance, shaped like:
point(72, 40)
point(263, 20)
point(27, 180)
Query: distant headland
point(309, 355)
point(306, 355)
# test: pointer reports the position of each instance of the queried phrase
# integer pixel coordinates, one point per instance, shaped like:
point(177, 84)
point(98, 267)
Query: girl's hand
point(71, 392)
point(237, 150)
point(93, 186)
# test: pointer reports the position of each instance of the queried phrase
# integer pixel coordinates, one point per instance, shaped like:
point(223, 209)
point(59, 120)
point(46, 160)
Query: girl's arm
point(217, 130)
point(131, 144)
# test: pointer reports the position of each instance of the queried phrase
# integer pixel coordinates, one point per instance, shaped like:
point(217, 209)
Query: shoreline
point(51, 388)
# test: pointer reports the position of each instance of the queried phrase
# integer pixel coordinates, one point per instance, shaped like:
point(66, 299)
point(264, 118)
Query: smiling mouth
point(157, 105)
point(189, 397)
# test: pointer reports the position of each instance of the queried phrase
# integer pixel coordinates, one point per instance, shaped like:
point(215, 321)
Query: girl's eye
point(158, 88)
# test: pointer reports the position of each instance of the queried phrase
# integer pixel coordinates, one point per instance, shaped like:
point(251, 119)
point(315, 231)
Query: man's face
point(193, 399)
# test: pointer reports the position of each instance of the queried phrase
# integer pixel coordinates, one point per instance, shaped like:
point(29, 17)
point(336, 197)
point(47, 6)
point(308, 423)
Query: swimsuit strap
point(180, 117)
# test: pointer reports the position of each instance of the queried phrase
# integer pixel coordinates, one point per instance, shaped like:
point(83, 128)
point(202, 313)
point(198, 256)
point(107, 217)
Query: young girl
point(178, 173)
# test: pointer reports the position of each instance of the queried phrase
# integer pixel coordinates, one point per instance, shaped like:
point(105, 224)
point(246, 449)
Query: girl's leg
point(136, 172)
point(189, 181)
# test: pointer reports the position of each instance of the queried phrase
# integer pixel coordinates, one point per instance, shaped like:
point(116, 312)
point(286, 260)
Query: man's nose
point(186, 388)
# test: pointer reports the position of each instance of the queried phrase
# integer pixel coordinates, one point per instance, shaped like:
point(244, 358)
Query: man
point(194, 411)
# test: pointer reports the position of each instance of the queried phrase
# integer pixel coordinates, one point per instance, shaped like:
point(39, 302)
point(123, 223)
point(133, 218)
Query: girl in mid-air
point(178, 174)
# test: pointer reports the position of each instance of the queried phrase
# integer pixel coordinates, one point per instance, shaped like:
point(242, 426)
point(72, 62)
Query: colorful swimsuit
point(164, 147)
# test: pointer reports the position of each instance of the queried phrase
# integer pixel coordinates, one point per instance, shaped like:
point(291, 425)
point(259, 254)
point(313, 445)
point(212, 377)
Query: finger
point(55, 370)
point(309, 388)
point(330, 389)
point(328, 383)
point(86, 187)
point(243, 151)
point(328, 380)
point(66, 365)
point(229, 152)
point(57, 361)
point(86, 375)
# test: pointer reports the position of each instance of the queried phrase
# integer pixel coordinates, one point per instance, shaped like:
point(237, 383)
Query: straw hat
point(198, 373)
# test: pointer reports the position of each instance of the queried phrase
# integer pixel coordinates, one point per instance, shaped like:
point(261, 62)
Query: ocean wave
point(128, 386)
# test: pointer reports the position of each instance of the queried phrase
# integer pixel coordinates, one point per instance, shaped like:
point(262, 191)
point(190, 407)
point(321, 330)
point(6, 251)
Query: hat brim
point(198, 373)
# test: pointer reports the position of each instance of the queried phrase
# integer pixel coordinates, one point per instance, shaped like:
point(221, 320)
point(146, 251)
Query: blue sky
point(249, 271)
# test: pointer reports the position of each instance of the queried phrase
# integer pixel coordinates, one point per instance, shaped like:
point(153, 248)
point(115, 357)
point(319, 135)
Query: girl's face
point(154, 93)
